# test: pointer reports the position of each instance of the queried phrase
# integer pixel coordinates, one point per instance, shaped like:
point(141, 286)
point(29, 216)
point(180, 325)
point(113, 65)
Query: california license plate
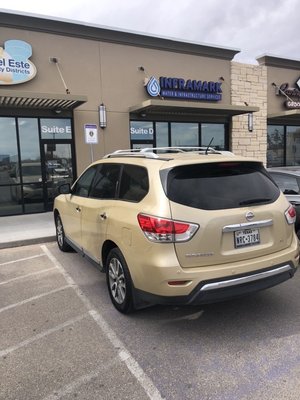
point(246, 237)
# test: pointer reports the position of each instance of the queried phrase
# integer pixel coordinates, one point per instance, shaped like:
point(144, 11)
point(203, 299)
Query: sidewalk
point(21, 230)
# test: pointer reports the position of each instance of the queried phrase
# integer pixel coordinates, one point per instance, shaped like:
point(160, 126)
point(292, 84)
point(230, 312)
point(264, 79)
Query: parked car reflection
point(32, 182)
point(288, 181)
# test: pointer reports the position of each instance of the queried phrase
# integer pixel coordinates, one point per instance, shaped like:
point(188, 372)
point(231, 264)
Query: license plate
point(246, 237)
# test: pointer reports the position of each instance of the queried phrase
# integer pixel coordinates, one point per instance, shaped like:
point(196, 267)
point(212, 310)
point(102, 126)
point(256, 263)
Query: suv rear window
point(223, 185)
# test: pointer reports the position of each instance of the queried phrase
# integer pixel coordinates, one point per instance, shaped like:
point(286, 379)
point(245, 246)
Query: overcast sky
point(256, 27)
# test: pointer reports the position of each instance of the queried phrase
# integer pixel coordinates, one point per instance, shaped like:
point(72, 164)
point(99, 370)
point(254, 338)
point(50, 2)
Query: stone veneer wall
point(249, 85)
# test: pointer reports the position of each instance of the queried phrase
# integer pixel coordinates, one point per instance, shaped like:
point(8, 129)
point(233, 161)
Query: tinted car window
point(106, 181)
point(221, 185)
point(83, 184)
point(287, 183)
point(134, 183)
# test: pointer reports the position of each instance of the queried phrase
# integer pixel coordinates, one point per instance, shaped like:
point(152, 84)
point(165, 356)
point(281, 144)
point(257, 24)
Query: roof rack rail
point(133, 153)
point(152, 152)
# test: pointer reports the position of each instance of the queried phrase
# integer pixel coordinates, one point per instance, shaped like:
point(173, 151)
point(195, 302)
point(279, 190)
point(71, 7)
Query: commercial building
point(72, 92)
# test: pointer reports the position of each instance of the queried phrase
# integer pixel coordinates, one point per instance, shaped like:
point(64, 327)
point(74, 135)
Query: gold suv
point(179, 226)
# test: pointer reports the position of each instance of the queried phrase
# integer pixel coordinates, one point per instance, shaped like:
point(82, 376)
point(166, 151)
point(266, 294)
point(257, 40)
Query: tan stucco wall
point(249, 85)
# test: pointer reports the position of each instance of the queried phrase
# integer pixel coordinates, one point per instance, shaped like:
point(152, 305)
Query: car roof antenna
point(206, 151)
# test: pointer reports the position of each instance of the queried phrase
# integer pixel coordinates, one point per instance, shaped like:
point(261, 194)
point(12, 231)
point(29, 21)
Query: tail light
point(290, 215)
point(164, 230)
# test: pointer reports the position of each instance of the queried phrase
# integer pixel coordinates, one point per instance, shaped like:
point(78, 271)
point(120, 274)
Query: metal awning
point(44, 101)
point(190, 108)
point(291, 115)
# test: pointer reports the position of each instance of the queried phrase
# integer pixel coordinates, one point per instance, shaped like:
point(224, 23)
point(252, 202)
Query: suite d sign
point(15, 66)
point(184, 89)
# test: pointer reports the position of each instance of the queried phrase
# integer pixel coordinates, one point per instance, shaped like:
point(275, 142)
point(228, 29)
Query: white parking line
point(20, 303)
point(124, 355)
point(41, 335)
point(82, 380)
point(26, 276)
point(22, 259)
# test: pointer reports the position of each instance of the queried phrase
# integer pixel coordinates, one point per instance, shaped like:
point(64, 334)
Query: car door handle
point(103, 216)
point(78, 209)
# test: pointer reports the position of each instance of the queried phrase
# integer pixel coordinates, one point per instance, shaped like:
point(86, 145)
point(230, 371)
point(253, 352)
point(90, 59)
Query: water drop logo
point(153, 87)
point(15, 66)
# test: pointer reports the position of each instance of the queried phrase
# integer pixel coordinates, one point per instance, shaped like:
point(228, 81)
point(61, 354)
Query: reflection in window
point(288, 184)
point(162, 134)
point(83, 184)
point(213, 135)
point(275, 152)
point(29, 139)
point(106, 180)
point(8, 151)
point(292, 145)
point(30, 150)
point(10, 200)
point(184, 134)
point(134, 184)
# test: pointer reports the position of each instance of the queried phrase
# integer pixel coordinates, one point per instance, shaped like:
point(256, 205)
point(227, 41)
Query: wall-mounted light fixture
point(102, 116)
point(250, 122)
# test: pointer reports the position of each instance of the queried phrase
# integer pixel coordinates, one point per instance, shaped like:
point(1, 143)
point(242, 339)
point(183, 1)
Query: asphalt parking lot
point(54, 344)
point(60, 338)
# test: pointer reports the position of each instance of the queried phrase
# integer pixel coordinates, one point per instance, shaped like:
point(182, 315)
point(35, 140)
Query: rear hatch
point(239, 210)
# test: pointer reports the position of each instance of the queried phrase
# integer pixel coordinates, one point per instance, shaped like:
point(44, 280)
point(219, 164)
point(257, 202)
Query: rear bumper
point(222, 288)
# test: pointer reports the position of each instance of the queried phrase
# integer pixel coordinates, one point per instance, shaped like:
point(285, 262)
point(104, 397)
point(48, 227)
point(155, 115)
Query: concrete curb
point(27, 242)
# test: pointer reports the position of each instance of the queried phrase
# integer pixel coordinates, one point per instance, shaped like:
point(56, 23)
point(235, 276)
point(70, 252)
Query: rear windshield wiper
point(254, 201)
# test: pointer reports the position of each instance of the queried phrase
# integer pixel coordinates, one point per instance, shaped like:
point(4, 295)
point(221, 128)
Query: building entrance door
point(36, 156)
point(58, 168)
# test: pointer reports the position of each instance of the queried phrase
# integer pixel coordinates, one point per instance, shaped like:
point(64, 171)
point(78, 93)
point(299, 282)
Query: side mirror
point(65, 188)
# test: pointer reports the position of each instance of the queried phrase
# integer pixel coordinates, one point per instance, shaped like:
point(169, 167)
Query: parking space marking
point(133, 366)
point(20, 303)
point(22, 259)
point(26, 276)
point(34, 338)
point(82, 380)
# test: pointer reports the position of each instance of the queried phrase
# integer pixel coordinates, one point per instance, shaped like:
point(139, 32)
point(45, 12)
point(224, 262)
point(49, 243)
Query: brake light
point(164, 230)
point(290, 215)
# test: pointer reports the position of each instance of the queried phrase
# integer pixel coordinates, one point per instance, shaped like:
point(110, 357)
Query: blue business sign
point(184, 89)
point(15, 66)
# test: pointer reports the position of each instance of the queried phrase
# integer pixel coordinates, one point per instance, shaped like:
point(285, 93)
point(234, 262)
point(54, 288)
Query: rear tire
point(60, 235)
point(119, 282)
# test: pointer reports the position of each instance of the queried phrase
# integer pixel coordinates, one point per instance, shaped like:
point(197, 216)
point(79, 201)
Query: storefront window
point(275, 152)
point(9, 162)
point(31, 168)
point(184, 134)
point(8, 149)
point(36, 156)
point(162, 134)
point(293, 145)
point(213, 135)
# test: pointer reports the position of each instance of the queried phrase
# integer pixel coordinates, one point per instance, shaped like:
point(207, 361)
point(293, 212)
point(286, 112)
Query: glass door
point(58, 168)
